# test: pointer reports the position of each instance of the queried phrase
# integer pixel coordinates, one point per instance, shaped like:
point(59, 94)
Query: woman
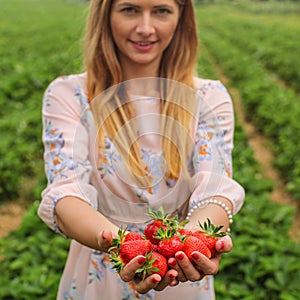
point(136, 131)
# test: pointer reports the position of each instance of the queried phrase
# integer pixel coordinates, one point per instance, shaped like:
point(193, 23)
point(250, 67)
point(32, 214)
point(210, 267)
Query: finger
point(168, 279)
point(175, 266)
point(190, 272)
point(205, 265)
point(151, 282)
point(224, 244)
point(129, 271)
point(105, 240)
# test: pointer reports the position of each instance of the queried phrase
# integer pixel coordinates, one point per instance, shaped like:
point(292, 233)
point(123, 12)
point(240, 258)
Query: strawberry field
point(255, 45)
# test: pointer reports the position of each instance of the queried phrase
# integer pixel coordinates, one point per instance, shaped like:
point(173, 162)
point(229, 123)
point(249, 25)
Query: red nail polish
point(195, 256)
point(180, 256)
point(221, 245)
point(141, 260)
point(172, 276)
point(172, 263)
point(155, 280)
point(104, 235)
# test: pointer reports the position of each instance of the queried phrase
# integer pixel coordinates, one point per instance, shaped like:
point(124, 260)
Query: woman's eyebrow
point(127, 4)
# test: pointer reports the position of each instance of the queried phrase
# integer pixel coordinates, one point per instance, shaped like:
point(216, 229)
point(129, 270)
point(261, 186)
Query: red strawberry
point(132, 236)
point(169, 242)
point(209, 234)
point(159, 219)
point(150, 230)
point(154, 247)
point(170, 246)
point(123, 251)
point(192, 244)
point(155, 264)
point(131, 249)
point(184, 232)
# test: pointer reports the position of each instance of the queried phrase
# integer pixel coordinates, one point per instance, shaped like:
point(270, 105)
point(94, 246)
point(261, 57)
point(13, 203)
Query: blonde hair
point(104, 71)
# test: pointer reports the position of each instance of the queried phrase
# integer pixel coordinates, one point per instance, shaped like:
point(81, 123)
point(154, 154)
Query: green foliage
point(264, 263)
point(32, 260)
point(259, 55)
point(35, 47)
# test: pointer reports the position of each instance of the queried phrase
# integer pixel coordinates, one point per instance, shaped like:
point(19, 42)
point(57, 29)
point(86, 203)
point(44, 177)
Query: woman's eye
point(162, 11)
point(129, 10)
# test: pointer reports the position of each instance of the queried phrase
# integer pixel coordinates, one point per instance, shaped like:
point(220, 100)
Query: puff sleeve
point(66, 130)
point(212, 154)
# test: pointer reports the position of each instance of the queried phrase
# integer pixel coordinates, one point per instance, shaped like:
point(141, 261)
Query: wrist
point(218, 209)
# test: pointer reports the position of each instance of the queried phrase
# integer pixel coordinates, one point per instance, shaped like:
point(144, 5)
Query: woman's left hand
point(201, 266)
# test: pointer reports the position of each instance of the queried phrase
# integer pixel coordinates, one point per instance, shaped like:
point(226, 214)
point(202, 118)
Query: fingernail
point(180, 256)
point(155, 280)
point(141, 260)
point(104, 235)
point(172, 262)
point(195, 256)
point(172, 276)
point(221, 245)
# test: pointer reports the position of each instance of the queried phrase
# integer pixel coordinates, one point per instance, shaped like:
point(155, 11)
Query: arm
point(69, 202)
point(79, 221)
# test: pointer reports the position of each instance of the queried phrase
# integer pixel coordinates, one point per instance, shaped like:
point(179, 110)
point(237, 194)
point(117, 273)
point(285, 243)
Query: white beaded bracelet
point(205, 202)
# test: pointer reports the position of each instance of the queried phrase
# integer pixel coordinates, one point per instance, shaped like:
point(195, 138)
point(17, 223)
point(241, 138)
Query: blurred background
point(253, 47)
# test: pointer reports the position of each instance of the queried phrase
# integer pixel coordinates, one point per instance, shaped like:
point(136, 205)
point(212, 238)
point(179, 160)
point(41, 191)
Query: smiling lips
point(143, 45)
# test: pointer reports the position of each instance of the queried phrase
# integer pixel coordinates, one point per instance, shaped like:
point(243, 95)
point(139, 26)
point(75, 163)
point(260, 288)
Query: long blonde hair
point(104, 71)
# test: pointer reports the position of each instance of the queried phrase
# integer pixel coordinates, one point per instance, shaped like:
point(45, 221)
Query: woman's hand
point(154, 281)
point(128, 273)
point(201, 265)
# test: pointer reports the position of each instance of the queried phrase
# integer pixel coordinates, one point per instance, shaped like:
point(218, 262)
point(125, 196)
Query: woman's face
point(142, 30)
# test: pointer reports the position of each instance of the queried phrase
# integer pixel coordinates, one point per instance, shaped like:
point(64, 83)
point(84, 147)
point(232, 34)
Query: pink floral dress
point(69, 136)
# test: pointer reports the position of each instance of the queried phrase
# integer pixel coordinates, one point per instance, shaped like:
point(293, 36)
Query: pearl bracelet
point(205, 202)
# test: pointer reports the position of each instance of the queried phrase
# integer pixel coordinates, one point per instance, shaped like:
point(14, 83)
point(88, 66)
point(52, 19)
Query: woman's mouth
point(143, 45)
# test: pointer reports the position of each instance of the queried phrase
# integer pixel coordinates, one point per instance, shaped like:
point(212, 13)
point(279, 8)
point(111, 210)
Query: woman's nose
point(145, 24)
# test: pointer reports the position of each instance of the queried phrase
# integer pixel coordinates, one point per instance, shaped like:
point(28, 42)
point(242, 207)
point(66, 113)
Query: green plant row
point(32, 260)
point(271, 107)
point(35, 47)
point(276, 47)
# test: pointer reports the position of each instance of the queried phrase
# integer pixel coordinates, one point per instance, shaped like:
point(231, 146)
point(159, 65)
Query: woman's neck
point(133, 71)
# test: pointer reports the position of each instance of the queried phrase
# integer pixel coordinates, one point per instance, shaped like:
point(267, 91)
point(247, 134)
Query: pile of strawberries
point(163, 237)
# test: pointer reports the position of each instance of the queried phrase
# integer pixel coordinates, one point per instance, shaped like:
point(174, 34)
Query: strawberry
point(154, 247)
point(192, 244)
point(132, 236)
point(155, 263)
point(209, 233)
point(131, 249)
point(184, 232)
point(159, 219)
point(122, 250)
point(151, 230)
point(169, 242)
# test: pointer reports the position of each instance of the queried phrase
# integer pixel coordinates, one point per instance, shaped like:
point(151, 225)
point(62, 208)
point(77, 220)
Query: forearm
point(79, 221)
point(214, 212)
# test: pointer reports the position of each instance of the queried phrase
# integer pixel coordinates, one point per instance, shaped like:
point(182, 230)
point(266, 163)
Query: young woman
point(137, 130)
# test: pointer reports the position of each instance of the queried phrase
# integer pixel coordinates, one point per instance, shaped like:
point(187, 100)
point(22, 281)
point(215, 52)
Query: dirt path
point(11, 215)
point(264, 156)
point(262, 153)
